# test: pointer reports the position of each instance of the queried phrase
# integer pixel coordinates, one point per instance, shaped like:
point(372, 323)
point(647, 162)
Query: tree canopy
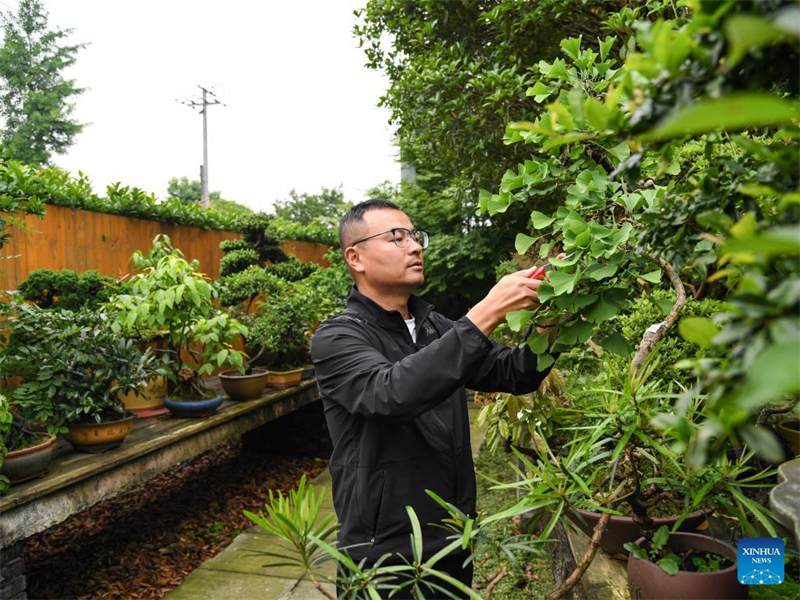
point(35, 97)
point(326, 207)
point(457, 73)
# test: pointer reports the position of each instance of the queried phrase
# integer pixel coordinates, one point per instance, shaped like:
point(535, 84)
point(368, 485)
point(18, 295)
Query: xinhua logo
point(760, 561)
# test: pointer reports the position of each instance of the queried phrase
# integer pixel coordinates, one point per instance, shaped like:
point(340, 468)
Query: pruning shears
point(541, 272)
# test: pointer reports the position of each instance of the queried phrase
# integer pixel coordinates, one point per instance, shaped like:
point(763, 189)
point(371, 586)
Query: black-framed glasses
point(401, 236)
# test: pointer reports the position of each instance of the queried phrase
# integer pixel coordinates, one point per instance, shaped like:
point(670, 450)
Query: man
point(392, 375)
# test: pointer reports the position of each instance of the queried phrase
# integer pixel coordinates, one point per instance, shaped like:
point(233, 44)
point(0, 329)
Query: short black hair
point(355, 217)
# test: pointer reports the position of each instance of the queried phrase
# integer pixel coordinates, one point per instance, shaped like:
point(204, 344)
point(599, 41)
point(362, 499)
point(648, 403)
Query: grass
point(531, 577)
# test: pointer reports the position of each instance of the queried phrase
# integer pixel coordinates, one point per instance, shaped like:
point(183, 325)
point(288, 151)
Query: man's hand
point(513, 292)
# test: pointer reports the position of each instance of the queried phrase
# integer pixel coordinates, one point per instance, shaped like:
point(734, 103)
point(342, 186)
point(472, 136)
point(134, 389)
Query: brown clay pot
point(100, 437)
point(285, 379)
point(621, 530)
point(790, 431)
point(648, 581)
point(243, 387)
point(31, 462)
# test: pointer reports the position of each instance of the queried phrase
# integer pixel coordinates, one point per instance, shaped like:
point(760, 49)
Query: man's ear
point(353, 260)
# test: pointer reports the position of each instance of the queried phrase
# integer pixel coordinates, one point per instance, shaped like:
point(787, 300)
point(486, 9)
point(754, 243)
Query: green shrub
point(73, 365)
point(313, 232)
point(231, 245)
point(237, 261)
point(246, 285)
point(68, 290)
point(49, 185)
point(331, 286)
point(647, 310)
point(284, 325)
point(292, 269)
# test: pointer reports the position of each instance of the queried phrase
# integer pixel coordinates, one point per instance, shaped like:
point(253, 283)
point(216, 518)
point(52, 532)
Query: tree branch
point(591, 550)
point(651, 338)
point(495, 580)
point(768, 411)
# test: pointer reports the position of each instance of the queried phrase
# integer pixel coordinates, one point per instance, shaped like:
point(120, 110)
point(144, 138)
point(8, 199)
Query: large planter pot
point(198, 408)
point(621, 530)
point(648, 581)
point(30, 462)
point(285, 379)
point(790, 431)
point(99, 437)
point(308, 372)
point(243, 387)
point(151, 402)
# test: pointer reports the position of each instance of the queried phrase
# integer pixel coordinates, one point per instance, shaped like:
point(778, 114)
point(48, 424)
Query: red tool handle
point(539, 273)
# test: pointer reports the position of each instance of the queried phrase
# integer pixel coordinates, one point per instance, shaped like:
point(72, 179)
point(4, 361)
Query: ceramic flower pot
point(308, 372)
point(621, 530)
point(285, 379)
point(790, 431)
point(31, 462)
point(243, 387)
point(648, 581)
point(194, 408)
point(151, 401)
point(99, 437)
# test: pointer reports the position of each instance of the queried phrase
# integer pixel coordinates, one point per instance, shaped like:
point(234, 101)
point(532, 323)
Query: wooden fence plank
point(82, 240)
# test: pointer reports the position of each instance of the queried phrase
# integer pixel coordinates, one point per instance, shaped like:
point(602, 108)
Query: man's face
point(378, 261)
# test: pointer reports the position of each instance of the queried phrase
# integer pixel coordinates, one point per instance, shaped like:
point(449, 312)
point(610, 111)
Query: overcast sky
point(301, 106)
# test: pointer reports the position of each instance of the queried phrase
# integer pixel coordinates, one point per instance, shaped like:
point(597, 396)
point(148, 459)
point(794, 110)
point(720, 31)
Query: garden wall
point(82, 240)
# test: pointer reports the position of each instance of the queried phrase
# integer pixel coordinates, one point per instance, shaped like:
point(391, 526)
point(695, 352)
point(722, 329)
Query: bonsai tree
point(172, 301)
point(68, 290)
point(244, 287)
point(284, 325)
point(258, 246)
point(73, 366)
point(241, 290)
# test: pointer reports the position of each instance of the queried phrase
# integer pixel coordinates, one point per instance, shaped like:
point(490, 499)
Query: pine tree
point(34, 95)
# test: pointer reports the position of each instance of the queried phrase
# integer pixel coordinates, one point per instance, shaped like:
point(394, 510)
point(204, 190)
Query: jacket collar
point(391, 319)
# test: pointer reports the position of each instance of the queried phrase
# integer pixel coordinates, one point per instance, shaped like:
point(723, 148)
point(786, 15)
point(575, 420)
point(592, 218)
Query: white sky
point(301, 106)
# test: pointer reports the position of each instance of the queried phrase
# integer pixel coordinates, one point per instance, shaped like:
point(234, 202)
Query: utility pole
point(203, 106)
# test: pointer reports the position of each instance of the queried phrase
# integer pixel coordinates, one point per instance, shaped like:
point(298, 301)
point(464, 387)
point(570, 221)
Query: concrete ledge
point(77, 481)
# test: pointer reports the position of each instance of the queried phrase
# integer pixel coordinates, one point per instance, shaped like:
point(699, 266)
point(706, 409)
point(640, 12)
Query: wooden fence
point(82, 240)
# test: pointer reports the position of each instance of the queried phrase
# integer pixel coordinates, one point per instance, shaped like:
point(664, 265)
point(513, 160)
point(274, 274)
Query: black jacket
point(397, 416)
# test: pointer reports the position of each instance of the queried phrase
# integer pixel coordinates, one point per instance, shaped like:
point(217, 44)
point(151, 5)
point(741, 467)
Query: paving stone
point(784, 498)
point(239, 571)
point(244, 555)
point(208, 584)
point(305, 590)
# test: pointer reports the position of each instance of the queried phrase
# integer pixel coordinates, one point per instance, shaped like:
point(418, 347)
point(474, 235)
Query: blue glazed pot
point(199, 408)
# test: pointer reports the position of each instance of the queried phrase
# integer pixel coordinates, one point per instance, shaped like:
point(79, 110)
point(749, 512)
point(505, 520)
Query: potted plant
point(73, 367)
point(25, 454)
point(683, 565)
point(283, 328)
point(172, 301)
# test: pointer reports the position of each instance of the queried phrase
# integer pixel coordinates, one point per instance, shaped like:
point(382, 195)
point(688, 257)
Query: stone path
point(238, 572)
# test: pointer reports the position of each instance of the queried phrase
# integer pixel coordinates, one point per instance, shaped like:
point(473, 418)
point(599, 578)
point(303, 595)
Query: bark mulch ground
point(142, 544)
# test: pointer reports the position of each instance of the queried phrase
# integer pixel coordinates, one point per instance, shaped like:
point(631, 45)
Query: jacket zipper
point(378, 512)
point(448, 433)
